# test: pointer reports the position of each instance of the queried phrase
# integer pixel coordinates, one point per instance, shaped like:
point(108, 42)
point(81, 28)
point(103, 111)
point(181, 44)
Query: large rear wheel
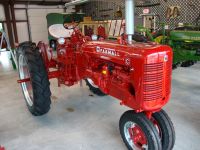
point(138, 132)
point(36, 90)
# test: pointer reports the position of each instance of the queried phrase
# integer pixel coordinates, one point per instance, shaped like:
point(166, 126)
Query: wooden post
point(8, 23)
point(14, 23)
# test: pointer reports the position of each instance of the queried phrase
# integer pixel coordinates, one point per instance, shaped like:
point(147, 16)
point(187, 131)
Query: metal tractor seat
point(58, 31)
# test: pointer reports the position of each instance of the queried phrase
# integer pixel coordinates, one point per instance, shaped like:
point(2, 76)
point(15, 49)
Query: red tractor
point(138, 74)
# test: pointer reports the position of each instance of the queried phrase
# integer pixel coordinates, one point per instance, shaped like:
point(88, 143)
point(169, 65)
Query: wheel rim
point(92, 83)
point(160, 39)
point(135, 136)
point(26, 86)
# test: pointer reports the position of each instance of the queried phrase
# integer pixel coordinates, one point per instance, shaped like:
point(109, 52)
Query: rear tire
point(94, 88)
point(188, 63)
point(138, 132)
point(36, 91)
point(139, 38)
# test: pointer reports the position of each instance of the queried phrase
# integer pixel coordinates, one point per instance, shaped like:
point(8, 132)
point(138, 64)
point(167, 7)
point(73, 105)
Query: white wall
point(22, 31)
point(22, 27)
point(37, 19)
point(2, 14)
point(38, 23)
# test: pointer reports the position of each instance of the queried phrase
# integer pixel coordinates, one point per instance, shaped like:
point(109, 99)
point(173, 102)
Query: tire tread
point(39, 78)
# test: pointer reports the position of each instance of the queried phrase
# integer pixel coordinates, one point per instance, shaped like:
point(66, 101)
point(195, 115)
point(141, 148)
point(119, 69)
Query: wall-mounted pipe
point(129, 16)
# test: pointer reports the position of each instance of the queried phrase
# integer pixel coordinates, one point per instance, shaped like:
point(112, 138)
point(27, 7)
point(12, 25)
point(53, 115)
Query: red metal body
point(2, 148)
point(139, 75)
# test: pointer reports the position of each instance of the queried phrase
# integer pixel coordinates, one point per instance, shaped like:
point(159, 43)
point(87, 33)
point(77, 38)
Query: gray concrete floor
point(78, 121)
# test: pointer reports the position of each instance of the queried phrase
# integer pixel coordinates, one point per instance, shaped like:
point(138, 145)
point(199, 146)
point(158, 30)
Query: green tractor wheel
point(188, 63)
point(160, 37)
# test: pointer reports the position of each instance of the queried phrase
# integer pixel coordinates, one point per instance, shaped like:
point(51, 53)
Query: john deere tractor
point(185, 42)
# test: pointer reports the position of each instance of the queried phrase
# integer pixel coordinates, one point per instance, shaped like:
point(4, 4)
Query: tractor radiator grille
point(168, 78)
point(153, 81)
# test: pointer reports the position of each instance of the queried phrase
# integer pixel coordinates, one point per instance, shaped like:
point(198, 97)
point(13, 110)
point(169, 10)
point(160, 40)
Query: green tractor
point(185, 42)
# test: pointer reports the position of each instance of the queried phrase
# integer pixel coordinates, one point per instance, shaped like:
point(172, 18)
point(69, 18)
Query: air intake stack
point(130, 12)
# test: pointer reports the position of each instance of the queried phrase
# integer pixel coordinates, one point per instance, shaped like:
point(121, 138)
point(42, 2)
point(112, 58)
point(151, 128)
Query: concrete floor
point(78, 121)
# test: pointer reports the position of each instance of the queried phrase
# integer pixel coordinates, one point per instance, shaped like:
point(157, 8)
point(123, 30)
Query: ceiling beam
point(44, 2)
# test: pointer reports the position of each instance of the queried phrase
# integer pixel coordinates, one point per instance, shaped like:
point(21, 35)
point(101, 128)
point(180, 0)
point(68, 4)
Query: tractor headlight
point(61, 41)
point(94, 37)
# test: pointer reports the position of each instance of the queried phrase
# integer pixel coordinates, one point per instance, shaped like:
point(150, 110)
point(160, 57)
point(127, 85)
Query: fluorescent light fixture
point(75, 2)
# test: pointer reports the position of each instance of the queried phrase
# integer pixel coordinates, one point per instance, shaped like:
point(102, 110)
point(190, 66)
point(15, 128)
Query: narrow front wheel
point(138, 132)
point(165, 127)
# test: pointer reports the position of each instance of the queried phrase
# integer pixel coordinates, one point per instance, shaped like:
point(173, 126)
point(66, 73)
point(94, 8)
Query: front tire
point(138, 132)
point(36, 91)
point(165, 128)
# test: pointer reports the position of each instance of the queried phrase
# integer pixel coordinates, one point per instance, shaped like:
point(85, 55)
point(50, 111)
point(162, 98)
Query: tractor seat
point(58, 31)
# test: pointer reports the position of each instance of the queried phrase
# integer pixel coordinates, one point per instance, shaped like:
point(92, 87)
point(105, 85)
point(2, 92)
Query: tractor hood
point(118, 53)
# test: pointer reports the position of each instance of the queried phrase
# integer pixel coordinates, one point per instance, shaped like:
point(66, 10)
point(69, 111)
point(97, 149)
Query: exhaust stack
point(130, 12)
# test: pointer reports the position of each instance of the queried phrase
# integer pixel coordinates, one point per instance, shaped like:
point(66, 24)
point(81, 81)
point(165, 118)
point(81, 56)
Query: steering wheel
point(71, 25)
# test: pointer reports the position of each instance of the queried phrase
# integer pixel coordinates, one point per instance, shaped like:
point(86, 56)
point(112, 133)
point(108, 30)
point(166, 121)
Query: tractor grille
point(168, 78)
point(153, 81)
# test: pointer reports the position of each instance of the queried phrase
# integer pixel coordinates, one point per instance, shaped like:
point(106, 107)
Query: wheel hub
point(135, 136)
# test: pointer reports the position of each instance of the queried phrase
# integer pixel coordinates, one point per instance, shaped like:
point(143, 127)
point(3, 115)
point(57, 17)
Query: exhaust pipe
point(129, 17)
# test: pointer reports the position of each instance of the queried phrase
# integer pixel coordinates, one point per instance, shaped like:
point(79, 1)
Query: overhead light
point(75, 2)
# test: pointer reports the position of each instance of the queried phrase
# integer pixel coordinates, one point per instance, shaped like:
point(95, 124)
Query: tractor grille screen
point(168, 78)
point(153, 81)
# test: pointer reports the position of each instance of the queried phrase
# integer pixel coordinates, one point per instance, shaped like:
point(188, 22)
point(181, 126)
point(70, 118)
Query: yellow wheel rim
point(159, 39)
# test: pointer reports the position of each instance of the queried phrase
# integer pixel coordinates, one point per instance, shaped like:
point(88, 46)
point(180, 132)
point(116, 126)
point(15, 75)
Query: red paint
point(139, 75)
point(2, 148)
point(23, 80)
point(137, 136)
point(101, 32)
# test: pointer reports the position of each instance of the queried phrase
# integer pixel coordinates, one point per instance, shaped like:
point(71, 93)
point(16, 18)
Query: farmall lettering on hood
point(107, 51)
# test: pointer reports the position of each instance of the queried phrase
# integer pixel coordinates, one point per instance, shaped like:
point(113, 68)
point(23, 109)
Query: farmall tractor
point(138, 74)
